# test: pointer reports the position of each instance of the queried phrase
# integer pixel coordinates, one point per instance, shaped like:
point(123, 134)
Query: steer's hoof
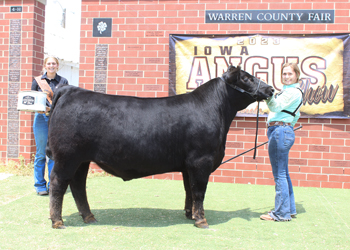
point(90, 219)
point(58, 225)
point(202, 224)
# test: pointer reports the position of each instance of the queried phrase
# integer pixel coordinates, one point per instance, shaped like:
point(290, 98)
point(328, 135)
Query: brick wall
point(138, 65)
point(21, 58)
point(135, 61)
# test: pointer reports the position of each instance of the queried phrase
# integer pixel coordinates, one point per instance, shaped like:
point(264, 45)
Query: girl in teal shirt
point(284, 113)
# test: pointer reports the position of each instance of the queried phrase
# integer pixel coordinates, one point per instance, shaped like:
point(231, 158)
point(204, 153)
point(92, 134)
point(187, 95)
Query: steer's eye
point(245, 78)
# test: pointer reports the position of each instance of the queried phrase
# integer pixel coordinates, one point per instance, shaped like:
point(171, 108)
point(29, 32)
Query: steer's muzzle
point(271, 91)
point(264, 93)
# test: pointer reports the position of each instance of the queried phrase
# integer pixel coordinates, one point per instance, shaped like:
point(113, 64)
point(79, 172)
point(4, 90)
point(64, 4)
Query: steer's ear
point(238, 73)
point(232, 74)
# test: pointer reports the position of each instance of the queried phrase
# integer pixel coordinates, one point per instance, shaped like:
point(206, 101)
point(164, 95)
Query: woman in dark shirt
point(40, 126)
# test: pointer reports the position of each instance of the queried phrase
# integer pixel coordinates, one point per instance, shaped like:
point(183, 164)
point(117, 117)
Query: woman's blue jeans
point(281, 139)
point(40, 128)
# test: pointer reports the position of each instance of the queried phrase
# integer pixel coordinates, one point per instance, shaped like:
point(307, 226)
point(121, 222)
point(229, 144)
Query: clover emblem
point(101, 27)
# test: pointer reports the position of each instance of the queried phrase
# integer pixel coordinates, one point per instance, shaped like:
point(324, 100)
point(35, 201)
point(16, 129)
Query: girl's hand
point(44, 112)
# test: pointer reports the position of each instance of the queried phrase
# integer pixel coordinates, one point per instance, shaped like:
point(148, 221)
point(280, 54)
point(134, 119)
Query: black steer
point(132, 137)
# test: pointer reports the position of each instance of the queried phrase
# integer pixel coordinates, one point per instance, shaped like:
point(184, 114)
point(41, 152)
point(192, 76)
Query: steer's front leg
point(188, 199)
point(198, 214)
point(198, 184)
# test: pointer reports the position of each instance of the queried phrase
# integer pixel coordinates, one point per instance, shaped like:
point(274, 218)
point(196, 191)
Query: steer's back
point(133, 137)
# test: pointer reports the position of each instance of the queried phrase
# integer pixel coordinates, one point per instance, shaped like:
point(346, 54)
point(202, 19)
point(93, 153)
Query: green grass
point(148, 214)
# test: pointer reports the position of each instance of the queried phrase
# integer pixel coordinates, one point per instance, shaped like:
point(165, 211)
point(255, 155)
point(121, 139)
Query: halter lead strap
point(254, 96)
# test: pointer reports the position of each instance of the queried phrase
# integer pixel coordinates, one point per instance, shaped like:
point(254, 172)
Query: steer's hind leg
point(188, 200)
point(58, 187)
point(78, 188)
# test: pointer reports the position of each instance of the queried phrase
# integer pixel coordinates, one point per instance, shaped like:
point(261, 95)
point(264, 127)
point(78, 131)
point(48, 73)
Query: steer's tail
point(61, 90)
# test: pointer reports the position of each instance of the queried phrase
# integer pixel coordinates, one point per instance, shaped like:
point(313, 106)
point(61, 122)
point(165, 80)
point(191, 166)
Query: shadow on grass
point(299, 207)
point(156, 217)
point(153, 217)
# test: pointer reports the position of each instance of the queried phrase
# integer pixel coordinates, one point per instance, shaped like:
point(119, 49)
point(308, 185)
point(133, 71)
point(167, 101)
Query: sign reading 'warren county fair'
point(269, 16)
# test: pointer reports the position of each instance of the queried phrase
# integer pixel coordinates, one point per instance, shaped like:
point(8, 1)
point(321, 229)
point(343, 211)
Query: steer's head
point(258, 89)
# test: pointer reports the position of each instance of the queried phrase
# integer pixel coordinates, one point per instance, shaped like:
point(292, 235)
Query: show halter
point(254, 96)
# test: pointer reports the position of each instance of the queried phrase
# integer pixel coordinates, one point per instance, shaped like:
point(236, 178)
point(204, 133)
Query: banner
point(322, 59)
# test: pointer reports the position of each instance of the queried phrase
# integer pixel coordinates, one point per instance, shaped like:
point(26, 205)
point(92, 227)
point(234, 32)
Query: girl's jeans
point(281, 139)
point(40, 128)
